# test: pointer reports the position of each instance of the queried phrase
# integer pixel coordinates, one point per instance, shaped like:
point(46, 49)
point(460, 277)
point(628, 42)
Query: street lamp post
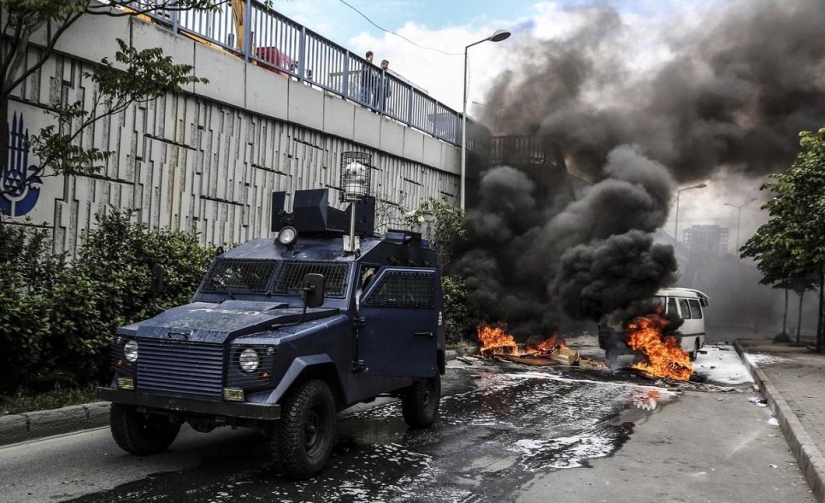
point(498, 36)
point(739, 217)
point(676, 219)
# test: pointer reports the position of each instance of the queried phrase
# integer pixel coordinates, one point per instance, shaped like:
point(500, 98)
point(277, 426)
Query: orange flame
point(495, 340)
point(663, 355)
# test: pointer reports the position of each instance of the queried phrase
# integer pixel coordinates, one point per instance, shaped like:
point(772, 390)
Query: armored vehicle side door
point(399, 336)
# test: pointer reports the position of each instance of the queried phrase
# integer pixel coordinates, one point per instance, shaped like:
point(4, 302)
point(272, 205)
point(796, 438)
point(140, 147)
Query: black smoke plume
point(734, 94)
point(531, 267)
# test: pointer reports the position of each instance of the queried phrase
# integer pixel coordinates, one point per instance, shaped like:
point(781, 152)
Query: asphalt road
point(506, 433)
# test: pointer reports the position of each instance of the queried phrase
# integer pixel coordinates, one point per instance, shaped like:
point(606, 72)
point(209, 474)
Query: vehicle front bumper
point(191, 405)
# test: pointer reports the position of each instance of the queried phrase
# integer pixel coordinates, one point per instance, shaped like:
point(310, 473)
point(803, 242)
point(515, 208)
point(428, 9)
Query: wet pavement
point(499, 425)
point(507, 432)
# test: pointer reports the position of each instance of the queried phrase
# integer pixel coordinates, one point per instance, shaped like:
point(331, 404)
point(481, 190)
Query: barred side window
point(404, 289)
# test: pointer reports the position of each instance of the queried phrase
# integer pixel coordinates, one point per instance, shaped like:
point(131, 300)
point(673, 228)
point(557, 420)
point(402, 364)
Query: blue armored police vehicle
point(283, 333)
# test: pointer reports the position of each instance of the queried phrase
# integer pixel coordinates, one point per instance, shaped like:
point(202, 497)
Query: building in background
point(706, 240)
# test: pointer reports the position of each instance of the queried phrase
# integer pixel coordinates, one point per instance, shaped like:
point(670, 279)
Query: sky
point(451, 25)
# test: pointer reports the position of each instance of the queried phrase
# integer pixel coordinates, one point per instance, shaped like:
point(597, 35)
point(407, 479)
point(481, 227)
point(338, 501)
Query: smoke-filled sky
point(733, 94)
point(722, 47)
point(726, 104)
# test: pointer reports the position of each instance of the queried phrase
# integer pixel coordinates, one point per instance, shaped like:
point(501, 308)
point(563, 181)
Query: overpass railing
point(262, 36)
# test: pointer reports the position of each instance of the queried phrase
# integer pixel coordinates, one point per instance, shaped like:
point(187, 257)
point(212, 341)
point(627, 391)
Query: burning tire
point(303, 438)
point(140, 434)
point(419, 403)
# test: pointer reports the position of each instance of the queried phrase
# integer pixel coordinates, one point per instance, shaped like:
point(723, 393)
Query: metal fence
point(291, 50)
point(529, 149)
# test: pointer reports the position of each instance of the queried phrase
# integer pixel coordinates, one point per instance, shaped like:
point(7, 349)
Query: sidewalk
point(793, 381)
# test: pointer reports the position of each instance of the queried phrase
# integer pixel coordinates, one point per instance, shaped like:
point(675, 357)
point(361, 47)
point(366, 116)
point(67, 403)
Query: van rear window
point(695, 309)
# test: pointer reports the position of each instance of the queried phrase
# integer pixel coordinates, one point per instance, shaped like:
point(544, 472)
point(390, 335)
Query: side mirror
point(157, 279)
point(313, 290)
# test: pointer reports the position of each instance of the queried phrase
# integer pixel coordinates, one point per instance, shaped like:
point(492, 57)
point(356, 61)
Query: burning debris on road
point(662, 356)
point(496, 342)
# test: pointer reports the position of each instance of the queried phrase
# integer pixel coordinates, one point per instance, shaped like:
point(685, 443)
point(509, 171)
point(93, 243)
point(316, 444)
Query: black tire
point(695, 353)
point(419, 402)
point(611, 358)
point(304, 436)
point(138, 433)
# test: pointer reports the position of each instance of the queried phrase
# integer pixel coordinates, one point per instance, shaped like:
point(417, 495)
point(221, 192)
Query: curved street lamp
point(498, 36)
point(676, 219)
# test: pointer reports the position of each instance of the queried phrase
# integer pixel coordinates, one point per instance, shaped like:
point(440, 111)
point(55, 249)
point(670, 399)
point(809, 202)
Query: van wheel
point(695, 353)
point(138, 433)
point(304, 436)
point(611, 358)
point(419, 402)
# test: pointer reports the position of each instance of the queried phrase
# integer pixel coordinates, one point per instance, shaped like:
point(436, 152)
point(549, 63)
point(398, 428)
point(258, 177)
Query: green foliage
point(148, 75)
point(458, 324)
point(54, 399)
point(791, 245)
point(58, 321)
point(444, 225)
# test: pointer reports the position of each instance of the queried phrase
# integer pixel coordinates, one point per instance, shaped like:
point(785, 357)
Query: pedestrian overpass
point(281, 106)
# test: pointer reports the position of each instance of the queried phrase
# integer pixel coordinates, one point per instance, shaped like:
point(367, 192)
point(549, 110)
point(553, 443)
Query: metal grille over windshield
point(252, 275)
point(292, 276)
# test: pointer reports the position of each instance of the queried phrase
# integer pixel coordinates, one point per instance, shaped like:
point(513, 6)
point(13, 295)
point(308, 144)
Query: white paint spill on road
point(721, 364)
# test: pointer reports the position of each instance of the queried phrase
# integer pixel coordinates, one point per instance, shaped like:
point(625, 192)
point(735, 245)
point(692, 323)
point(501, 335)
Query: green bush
point(458, 324)
point(28, 271)
point(58, 320)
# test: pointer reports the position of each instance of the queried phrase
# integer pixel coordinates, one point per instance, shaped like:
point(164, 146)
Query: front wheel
point(695, 353)
point(138, 433)
point(304, 436)
point(419, 402)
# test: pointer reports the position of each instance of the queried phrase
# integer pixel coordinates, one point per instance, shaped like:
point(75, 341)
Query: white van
point(688, 304)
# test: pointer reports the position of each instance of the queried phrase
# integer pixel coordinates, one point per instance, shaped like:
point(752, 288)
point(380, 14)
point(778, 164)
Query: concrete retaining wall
point(208, 160)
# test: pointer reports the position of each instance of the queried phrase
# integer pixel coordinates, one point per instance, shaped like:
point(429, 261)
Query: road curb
point(16, 428)
point(807, 454)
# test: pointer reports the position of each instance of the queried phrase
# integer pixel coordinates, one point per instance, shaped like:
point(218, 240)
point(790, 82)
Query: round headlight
point(249, 360)
point(130, 351)
point(287, 236)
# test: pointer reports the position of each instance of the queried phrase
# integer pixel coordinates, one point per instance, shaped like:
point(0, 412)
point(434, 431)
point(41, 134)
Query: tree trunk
point(785, 316)
point(799, 317)
point(819, 318)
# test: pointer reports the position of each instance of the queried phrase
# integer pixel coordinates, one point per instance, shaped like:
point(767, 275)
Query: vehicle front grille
point(182, 368)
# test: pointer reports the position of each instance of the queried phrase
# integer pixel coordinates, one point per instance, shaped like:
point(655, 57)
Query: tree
point(443, 224)
point(791, 245)
point(148, 74)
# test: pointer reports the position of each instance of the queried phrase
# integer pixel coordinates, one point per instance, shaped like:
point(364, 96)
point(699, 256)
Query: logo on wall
point(18, 193)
